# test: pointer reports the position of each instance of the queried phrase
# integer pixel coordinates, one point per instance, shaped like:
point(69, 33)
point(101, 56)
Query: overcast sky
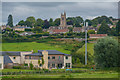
point(46, 10)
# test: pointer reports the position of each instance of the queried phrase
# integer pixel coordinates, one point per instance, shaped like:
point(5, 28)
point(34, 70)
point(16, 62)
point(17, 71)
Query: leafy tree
point(78, 60)
point(118, 28)
point(22, 22)
point(8, 29)
point(31, 66)
point(37, 29)
point(57, 22)
point(46, 24)
point(106, 52)
point(70, 29)
point(10, 20)
point(42, 61)
point(104, 29)
point(69, 22)
point(91, 31)
point(39, 61)
point(89, 22)
point(39, 22)
point(51, 22)
point(100, 19)
point(30, 21)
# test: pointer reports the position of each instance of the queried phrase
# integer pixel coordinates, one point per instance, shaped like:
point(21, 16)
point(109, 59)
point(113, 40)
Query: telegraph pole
point(86, 25)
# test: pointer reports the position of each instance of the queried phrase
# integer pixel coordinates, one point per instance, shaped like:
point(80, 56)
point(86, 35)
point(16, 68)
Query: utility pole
point(86, 25)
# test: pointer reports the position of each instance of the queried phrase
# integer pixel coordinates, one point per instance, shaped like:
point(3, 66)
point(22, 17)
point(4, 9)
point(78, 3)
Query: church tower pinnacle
point(63, 20)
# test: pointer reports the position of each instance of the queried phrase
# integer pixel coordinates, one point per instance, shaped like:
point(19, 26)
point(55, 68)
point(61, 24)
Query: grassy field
point(66, 75)
point(87, 74)
point(90, 47)
point(28, 46)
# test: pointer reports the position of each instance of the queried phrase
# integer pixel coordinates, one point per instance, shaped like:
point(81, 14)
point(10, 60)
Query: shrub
point(16, 67)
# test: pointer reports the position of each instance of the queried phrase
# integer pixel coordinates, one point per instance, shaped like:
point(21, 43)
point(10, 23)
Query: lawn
point(85, 74)
point(28, 46)
point(66, 75)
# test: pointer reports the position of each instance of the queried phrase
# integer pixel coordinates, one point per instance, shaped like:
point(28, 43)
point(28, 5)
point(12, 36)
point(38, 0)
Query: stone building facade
point(52, 59)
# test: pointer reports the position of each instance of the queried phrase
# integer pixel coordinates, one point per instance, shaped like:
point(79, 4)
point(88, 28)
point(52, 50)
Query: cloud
point(46, 10)
point(60, 0)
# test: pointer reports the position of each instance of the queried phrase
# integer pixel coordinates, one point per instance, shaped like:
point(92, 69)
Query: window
point(29, 57)
point(14, 57)
point(53, 57)
point(40, 65)
point(48, 57)
point(68, 65)
point(48, 65)
point(66, 57)
point(40, 58)
point(59, 57)
point(53, 65)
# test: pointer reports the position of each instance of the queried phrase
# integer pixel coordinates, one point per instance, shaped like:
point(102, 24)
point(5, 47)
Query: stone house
point(52, 59)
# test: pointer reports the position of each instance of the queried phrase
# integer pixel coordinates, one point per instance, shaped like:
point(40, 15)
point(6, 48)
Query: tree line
point(75, 21)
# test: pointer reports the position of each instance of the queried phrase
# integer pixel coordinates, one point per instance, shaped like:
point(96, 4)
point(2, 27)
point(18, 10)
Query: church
point(62, 28)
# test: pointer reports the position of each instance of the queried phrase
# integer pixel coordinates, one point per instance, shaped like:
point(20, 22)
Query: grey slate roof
point(34, 54)
point(53, 52)
point(7, 59)
point(10, 53)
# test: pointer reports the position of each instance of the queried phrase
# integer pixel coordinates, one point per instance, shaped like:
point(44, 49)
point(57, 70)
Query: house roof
point(7, 59)
point(60, 30)
point(77, 29)
point(10, 53)
point(98, 35)
point(53, 52)
point(34, 54)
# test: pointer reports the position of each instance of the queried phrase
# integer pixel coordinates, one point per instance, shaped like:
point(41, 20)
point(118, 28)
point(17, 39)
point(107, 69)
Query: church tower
point(63, 20)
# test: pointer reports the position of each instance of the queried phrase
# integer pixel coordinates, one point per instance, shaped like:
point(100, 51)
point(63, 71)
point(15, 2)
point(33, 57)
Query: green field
point(68, 75)
point(28, 46)
point(87, 74)
point(90, 47)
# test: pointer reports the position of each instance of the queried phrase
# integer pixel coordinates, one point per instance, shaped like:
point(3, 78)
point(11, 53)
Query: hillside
point(28, 46)
point(90, 47)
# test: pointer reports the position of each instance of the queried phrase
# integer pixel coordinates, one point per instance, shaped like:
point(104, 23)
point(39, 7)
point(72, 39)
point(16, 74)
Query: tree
point(39, 22)
point(106, 52)
point(89, 22)
point(39, 61)
point(91, 31)
point(8, 29)
point(22, 22)
point(30, 21)
point(10, 20)
point(70, 29)
point(46, 24)
point(118, 28)
point(78, 60)
point(51, 22)
point(37, 29)
point(104, 29)
point(31, 66)
point(69, 22)
point(42, 61)
point(57, 22)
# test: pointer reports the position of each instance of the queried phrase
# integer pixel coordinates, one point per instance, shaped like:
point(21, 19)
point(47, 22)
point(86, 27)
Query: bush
point(17, 67)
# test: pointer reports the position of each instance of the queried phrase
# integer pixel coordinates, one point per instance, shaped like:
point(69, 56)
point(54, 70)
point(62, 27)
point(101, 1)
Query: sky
point(87, 9)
